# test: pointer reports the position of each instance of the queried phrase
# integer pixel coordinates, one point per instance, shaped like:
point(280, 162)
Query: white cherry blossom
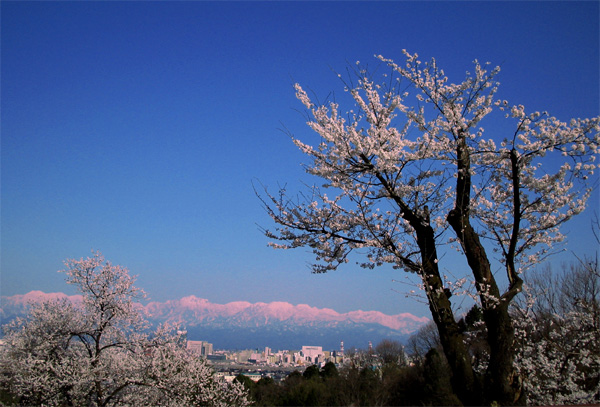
point(102, 352)
point(413, 167)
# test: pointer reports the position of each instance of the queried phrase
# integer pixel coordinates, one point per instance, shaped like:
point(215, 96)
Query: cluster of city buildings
point(256, 364)
point(308, 355)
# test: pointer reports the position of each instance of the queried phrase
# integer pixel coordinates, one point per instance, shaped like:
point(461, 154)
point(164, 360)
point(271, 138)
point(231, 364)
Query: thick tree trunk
point(502, 384)
point(463, 378)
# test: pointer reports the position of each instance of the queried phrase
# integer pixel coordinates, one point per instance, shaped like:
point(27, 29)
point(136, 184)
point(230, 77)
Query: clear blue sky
point(136, 128)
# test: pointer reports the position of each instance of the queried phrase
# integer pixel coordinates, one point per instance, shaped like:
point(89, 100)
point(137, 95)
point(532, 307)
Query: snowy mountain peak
point(239, 324)
point(202, 310)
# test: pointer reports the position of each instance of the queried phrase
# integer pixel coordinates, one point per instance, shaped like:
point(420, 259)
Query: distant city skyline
point(138, 128)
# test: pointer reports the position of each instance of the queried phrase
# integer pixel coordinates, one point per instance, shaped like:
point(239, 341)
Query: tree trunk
point(502, 384)
point(463, 378)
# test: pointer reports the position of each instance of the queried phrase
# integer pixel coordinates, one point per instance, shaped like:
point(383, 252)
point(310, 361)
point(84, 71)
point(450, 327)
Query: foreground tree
point(406, 181)
point(422, 341)
point(100, 352)
point(558, 332)
point(391, 352)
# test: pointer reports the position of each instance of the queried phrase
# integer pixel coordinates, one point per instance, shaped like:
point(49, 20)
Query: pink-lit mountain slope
point(243, 325)
point(198, 310)
point(16, 305)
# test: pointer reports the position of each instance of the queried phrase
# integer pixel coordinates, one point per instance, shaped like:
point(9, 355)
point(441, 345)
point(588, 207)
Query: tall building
point(201, 348)
point(207, 349)
point(311, 353)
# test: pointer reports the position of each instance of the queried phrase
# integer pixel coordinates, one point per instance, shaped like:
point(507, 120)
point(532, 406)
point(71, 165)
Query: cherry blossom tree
point(101, 352)
point(558, 335)
point(410, 172)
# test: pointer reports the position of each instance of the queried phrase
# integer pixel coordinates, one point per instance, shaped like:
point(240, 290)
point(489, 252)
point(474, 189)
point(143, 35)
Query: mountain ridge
point(202, 309)
point(237, 324)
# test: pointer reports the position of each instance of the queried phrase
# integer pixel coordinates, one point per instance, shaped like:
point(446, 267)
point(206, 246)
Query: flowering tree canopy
point(558, 336)
point(411, 169)
point(101, 352)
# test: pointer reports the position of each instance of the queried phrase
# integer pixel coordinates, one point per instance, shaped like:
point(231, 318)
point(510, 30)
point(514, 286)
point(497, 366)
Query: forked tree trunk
point(463, 378)
point(501, 381)
point(502, 384)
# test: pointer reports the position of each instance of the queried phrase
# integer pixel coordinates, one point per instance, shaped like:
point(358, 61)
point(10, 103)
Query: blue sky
point(137, 128)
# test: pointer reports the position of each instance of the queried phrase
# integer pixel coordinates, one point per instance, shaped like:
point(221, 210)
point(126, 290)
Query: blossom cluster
point(396, 160)
point(557, 329)
point(102, 353)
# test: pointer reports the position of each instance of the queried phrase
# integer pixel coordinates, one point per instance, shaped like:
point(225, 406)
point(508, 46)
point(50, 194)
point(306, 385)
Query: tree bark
point(463, 378)
point(502, 384)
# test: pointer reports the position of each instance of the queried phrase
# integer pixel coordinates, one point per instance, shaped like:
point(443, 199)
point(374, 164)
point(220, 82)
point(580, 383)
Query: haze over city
point(138, 129)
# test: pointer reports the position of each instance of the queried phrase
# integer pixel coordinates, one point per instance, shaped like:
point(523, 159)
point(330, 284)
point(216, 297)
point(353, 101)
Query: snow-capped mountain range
point(241, 324)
